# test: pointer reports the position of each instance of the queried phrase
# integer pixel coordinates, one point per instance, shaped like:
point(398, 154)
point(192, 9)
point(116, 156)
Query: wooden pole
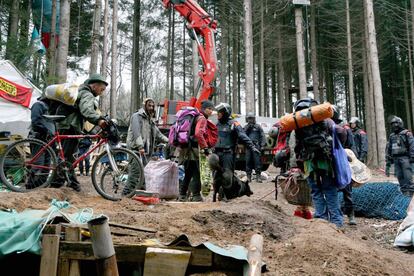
point(254, 256)
point(103, 248)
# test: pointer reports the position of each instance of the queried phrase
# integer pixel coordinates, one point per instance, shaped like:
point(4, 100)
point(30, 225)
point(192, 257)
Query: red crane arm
point(202, 24)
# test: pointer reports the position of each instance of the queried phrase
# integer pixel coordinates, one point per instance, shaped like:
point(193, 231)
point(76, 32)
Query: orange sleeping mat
point(306, 117)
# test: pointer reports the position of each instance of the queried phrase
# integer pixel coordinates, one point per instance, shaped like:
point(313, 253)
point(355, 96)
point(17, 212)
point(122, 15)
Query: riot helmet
point(250, 118)
point(397, 124)
point(336, 116)
point(280, 158)
point(225, 109)
point(304, 103)
point(354, 120)
point(274, 132)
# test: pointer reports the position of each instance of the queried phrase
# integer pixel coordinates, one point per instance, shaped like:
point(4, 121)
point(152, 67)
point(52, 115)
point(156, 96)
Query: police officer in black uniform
point(400, 152)
point(230, 133)
point(360, 139)
point(256, 134)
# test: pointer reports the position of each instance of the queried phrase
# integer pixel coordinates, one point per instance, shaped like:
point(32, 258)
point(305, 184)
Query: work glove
point(387, 170)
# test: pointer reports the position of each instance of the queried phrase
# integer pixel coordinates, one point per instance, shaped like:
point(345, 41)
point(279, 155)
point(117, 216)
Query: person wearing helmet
point(230, 133)
point(314, 153)
point(360, 139)
point(400, 152)
point(255, 132)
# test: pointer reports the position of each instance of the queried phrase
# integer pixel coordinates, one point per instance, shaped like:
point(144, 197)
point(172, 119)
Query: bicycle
point(31, 164)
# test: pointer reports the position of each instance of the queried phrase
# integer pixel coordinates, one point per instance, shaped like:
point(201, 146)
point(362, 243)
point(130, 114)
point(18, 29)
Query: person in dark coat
point(255, 132)
point(230, 133)
point(360, 139)
point(400, 152)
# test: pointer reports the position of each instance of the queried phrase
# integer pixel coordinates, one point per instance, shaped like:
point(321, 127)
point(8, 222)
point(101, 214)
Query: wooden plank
point(64, 267)
point(131, 252)
point(166, 262)
point(255, 255)
point(73, 234)
point(136, 228)
point(50, 253)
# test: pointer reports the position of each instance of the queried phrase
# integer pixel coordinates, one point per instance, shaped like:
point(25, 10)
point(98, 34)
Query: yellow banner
point(8, 88)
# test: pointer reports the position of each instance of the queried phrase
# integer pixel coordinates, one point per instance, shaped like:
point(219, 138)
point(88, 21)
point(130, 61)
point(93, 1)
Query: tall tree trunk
point(96, 32)
point(104, 63)
point(135, 79)
point(224, 45)
point(25, 7)
point(234, 56)
point(314, 56)
point(261, 100)
point(410, 65)
point(51, 53)
point(114, 59)
point(172, 56)
point(379, 105)
point(184, 75)
point(62, 54)
point(12, 31)
point(274, 91)
point(248, 41)
point(406, 98)
point(195, 65)
point(168, 63)
point(300, 53)
point(350, 65)
point(282, 99)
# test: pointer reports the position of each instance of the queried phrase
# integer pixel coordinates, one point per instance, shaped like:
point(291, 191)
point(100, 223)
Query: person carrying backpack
point(84, 110)
point(314, 149)
point(256, 134)
point(400, 152)
point(202, 137)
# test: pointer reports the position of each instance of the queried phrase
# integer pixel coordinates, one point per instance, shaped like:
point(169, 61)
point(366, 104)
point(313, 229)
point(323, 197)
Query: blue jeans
point(325, 198)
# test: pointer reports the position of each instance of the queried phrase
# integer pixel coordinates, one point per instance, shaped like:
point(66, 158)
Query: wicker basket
point(295, 189)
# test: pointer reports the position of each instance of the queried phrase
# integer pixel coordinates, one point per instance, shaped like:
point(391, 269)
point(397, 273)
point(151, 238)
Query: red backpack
point(212, 134)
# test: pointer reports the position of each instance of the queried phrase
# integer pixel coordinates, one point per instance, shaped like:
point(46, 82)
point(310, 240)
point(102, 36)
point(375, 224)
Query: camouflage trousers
point(206, 175)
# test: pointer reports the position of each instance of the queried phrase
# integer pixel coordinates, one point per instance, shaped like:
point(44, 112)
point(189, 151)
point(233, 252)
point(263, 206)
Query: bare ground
point(292, 246)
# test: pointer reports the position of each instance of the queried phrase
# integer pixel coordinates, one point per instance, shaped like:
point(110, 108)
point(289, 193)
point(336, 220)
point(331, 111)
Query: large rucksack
point(317, 141)
point(182, 131)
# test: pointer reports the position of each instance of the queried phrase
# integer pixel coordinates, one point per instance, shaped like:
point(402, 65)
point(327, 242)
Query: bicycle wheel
point(27, 164)
point(114, 184)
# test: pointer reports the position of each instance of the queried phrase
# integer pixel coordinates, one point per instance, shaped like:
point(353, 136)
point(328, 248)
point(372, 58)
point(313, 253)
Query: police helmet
point(336, 116)
point(397, 121)
point(274, 132)
point(354, 120)
point(304, 103)
point(225, 108)
point(281, 157)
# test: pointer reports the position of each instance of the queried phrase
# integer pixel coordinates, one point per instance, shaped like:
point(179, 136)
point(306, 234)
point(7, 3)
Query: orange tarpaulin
point(15, 93)
point(306, 117)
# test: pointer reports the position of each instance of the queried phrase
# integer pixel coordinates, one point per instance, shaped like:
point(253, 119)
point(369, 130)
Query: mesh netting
point(380, 200)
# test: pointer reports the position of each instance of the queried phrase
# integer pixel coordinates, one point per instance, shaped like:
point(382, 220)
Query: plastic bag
point(66, 93)
point(342, 169)
point(162, 177)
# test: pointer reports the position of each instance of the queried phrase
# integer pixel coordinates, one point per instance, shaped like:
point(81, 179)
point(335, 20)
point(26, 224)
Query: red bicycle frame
point(58, 138)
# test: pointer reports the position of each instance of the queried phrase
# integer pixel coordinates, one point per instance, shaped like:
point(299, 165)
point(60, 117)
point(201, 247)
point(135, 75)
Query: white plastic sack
point(405, 235)
point(162, 177)
point(66, 93)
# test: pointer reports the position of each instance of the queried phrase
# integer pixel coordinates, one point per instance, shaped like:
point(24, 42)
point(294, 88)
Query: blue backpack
point(182, 131)
point(342, 169)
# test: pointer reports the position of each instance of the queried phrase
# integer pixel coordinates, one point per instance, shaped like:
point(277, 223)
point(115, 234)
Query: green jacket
point(84, 109)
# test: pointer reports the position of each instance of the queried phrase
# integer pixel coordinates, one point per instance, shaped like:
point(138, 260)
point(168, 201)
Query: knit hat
point(207, 104)
point(96, 78)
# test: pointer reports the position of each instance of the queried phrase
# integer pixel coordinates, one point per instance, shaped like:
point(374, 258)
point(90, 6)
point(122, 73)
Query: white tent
point(15, 117)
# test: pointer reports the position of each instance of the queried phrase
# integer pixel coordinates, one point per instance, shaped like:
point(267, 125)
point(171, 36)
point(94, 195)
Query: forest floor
point(292, 245)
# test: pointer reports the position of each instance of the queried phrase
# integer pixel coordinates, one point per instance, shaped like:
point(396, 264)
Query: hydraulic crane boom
point(200, 23)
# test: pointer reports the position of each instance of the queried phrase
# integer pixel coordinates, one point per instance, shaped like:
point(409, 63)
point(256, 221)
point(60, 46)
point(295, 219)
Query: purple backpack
point(181, 131)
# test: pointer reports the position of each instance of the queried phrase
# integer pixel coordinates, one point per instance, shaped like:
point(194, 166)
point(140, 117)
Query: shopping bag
point(343, 174)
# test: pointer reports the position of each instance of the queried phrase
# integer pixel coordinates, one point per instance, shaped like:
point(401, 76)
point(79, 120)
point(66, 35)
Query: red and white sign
point(15, 93)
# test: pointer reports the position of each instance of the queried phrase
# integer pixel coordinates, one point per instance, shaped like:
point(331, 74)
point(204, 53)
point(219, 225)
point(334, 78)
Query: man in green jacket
point(84, 110)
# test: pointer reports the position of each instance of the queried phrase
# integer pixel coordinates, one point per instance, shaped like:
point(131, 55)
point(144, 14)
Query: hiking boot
point(298, 213)
point(351, 219)
point(249, 177)
point(197, 198)
point(306, 214)
point(74, 183)
point(182, 198)
point(259, 178)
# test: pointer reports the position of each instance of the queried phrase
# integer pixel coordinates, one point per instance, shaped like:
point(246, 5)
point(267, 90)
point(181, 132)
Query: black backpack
point(316, 140)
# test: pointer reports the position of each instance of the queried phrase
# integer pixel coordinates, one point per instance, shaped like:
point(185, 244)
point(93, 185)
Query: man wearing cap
point(143, 134)
point(256, 134)
point(199, 150)
point(85, 110)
